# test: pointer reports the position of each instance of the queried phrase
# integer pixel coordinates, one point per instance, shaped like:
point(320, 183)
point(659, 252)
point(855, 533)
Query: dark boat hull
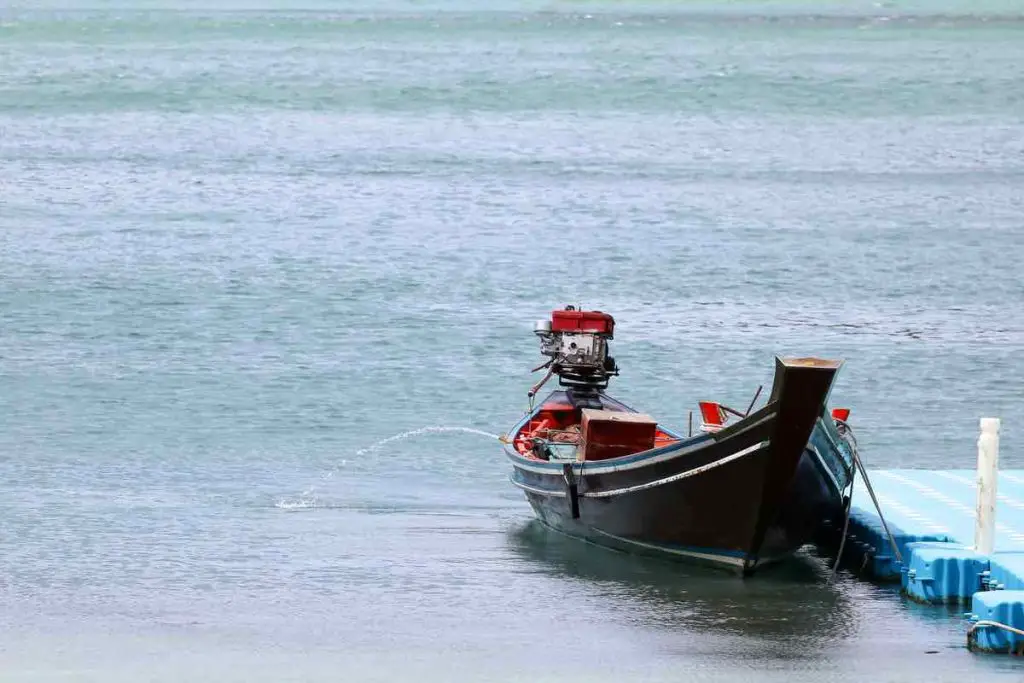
point(740, 498)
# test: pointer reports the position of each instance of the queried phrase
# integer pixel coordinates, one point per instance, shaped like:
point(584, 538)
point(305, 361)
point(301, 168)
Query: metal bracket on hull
point(572, 489)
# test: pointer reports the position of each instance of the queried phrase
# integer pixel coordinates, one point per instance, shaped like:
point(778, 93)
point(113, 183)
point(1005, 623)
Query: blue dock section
point(931, 515)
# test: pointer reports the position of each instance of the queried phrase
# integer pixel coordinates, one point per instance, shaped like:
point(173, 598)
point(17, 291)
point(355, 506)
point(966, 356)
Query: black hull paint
point(741, 498)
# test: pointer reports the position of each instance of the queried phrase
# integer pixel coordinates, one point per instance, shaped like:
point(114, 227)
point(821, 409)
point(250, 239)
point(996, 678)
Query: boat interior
point(555, 430)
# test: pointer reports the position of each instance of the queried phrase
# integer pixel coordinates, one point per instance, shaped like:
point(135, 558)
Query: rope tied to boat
point(847, 504)
point(846, 432)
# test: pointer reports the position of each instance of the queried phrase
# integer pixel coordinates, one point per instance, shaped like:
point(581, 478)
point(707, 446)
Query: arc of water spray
point(308, 497)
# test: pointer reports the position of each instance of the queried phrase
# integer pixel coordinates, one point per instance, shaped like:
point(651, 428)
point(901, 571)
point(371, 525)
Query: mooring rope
point(846, 526)
point(852, 441)
point(997, 624)
point(972, 636)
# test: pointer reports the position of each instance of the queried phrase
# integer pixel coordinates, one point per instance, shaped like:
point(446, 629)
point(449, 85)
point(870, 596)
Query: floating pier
point(959, 536)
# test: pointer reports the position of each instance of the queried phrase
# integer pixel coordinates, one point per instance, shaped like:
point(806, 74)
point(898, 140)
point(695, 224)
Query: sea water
point(268, 274)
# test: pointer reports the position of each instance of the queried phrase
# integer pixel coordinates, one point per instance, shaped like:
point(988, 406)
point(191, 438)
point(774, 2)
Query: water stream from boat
point(308, 498)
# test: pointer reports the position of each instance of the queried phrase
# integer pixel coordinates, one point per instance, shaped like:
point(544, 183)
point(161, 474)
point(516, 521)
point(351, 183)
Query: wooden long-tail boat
point(738, 493)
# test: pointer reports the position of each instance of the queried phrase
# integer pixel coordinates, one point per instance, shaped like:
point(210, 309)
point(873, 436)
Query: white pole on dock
point(988, 468)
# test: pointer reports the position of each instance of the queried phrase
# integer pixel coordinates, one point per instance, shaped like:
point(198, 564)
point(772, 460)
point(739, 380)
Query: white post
point(988, 467)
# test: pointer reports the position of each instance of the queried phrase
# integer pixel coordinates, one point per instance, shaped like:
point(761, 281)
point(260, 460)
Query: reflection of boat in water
point(790, 603)
point(738, 494)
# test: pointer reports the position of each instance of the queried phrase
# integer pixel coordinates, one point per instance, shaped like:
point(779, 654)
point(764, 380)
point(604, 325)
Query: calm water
point(241, 245)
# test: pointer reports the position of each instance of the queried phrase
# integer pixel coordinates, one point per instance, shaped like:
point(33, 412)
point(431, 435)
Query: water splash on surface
point(309, 500)
point(303, 502)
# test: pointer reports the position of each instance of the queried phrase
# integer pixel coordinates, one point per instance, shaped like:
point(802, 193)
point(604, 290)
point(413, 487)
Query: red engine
point(577, 343)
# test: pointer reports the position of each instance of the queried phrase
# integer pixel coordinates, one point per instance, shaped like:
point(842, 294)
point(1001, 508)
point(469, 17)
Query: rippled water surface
point(243, 243)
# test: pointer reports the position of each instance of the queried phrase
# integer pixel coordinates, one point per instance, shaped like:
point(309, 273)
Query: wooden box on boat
point(610, 434)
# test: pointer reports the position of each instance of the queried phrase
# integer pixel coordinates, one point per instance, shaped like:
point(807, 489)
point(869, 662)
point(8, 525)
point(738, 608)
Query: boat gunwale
point(637, 460)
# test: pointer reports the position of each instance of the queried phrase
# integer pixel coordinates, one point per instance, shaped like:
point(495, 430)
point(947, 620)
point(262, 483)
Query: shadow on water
point(781, 604)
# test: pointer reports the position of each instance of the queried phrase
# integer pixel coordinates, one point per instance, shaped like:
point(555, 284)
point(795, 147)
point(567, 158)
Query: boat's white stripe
point(589, 467)
point(721, 559)
point(848, 467)
point(521, 463)
point(828, 470)
point(675, 477)
point(828, 435)
point(535, 489)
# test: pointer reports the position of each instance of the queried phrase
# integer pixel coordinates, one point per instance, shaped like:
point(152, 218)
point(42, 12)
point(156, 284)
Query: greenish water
point(242, 243)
